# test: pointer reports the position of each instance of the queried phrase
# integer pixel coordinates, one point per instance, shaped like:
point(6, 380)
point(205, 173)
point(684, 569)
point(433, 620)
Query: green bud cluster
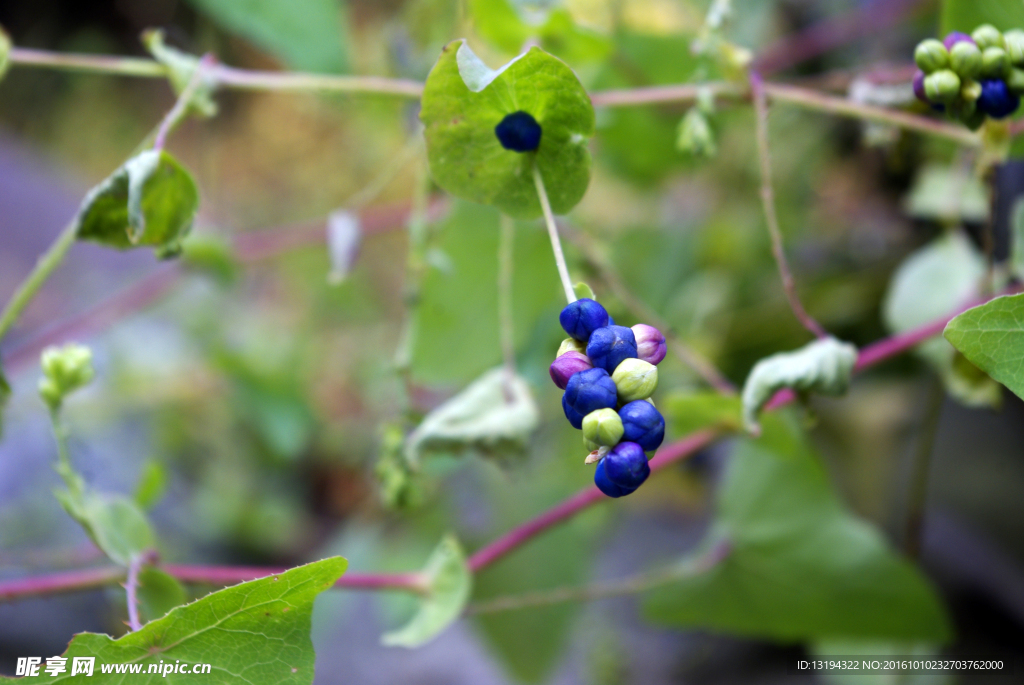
point(972, 77)
point(65, 369)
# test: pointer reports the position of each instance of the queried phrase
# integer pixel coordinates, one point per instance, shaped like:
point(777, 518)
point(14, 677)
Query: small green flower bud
point(931, 55)
point(65, 369)
point(988, 36)
point(635, 379)
point(970, 90)
point(994, 63)
point(695, 136)
point(5, 50)
point(571, 345)
point(1015, 47)
point(942, 86)
point(603, 426)
point(590, 445)
point(1015, 81)
point(965, 60)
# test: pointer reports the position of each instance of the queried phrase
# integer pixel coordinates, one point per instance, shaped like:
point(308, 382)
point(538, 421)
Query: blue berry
point(642, 424)
point(588, 391)
point(623, 470)
point(518, 132)
point(996, 100)
point(583, 317)
point(605, 485)
point(608, 346)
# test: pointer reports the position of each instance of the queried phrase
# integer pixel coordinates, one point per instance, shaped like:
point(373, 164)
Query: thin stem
point(635, 584)
point(242, 79)
point(181, 105)
point(226, 575)
point(768, 201)
point(666, 456)
point(131, 588)
point(920, 466)
point(50, 260)
point(416, 263)
point(701, 365)
point(506, 245)
point(385, 176)
point(556, 244)
point(652, 95)
point(54, 583)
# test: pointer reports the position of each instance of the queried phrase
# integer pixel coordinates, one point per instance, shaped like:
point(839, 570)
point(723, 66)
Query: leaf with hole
point(799, 567)
point(255, 632)
point(992, 338)
point(151, 201)
point(448, 581)
point(463, 103)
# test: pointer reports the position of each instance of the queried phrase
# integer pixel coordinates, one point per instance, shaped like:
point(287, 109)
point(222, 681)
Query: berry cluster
point(608, 373)
point(972, 77)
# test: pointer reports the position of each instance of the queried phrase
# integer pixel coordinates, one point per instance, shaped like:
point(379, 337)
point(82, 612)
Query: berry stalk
point(556, 243)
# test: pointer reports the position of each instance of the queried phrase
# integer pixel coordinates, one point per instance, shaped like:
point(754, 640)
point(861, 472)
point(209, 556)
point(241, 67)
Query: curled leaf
point(448, 582)
point(494, 416)
point(823, 366)
point(464, 100)
point(180, 68)
point(150, 201)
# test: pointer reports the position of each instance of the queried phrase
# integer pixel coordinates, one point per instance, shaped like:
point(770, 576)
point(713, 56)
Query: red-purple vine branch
point(487, 555)
point(770, 216)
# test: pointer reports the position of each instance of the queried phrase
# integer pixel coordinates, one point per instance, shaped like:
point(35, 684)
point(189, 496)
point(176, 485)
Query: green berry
point(1015, 47)
point(965, 60)
point(942, 86)
point(973, 120)
point(571, 345)
point(988, 36)
point(970, 90)
point(931, 55)
point(603, 426)
point(1015, 81)
point(994, 63)
point(635, 379)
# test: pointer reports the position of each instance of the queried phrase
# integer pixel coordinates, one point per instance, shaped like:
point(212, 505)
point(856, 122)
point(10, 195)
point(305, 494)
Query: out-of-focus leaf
point(931, 283)
point(448, 581)
point(114, 522)
point(344, 236)
point(463, 102)
point(180, 68)
point(501, 24)
point(457, 316)
point(967, 15)
point(823, 366)
point(211, 254)
point(5, 51)
point(5, 395)
point(944, 193)
point(255, 632)
point(150, 201)
point(583, 290)
point(799, 567)
point(1017, 239)
point(687, 413)
point(494, 416)
point(992, 338)
point(158, 593)
point(855, 649)
point(152, 484)
point(310, 35)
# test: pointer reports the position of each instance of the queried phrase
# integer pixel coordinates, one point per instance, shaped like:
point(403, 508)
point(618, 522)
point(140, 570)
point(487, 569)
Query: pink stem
point(225, 575)
point(132, 589)
point(581, 500)
point(67, 581)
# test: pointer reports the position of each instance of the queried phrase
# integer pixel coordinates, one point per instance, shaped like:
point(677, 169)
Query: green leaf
point(931, 283)
point(158, 593)
point(967, 15)
point(5, 51)
point(5, 395)
point(501, 24)
point(180, 68)
point(948, 194)
point(115, 523)
point(150, 201)
point(310, 35)
point(823, 366)
point(211, 254)
point(992, 338)
point(691, 412)
point(151, 485)
point(448, 583)
point(463, 102)
point(255, 632)
point(799, 566)
point(457, 318)
point(494, 416)
point(583, 290)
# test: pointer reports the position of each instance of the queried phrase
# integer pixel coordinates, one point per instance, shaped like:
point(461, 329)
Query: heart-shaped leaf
point(150, 201)
point(799, 566)
point(464, 101)
point(992, 338)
